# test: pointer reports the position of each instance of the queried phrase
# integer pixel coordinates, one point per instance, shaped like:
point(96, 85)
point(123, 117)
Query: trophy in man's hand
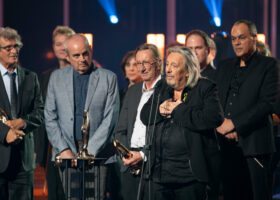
point(83, 145)
point(3, 116)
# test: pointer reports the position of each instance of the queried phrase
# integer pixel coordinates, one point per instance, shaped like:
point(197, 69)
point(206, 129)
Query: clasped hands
point(167, 107)
point(227, 129)
point(15, 134)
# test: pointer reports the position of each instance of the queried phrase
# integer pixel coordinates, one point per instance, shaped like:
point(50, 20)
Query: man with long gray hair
point(184, 111)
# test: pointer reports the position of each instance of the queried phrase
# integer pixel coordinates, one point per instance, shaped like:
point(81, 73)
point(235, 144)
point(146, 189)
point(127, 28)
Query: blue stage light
point(114, 19)
point(110, 9)
point(217, 21)
point(215, 9)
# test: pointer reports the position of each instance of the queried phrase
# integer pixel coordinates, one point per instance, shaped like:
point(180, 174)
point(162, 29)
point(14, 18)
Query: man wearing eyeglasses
point(22, 104)
point(248, 87)
point(130, 130)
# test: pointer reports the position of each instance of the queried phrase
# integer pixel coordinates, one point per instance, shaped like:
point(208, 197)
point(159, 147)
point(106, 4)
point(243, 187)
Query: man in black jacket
point(21, 100)
point(185, 110)
point(199, 42)
point(248, 87)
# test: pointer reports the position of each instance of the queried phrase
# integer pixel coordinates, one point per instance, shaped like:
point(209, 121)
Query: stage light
point(110, 9)
point(217, 21)
point(261, 37)
point(89, 37)
point(114, 19)
point(215, 9)
point(181, 38)
point(158, 40)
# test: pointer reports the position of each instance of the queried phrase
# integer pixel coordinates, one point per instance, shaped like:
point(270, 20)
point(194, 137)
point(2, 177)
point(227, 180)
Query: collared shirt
point(6, 80)
point(139, 131)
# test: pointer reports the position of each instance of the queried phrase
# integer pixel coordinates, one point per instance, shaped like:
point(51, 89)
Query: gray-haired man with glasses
point(22, 104)
point(130, 130)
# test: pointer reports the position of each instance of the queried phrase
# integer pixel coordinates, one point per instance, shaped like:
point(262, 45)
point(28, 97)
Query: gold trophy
point(126, 154)
point(82, 145)
point(3, 116)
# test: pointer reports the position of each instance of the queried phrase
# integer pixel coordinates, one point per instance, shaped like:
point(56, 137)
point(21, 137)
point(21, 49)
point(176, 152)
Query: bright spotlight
point(114, 19)
point(217, 21)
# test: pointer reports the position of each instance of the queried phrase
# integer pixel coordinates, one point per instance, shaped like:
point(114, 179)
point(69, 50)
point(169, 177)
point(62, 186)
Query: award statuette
point(126, 154)
point(82, 145)
point(3, 116)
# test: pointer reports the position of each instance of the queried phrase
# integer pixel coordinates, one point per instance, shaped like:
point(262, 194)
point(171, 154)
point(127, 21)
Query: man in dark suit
point(22, 102)
point(130, 130)
point(248, 89)
point(199, 42)
point(43, 148)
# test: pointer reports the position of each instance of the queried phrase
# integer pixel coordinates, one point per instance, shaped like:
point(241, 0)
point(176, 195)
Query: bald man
point(71, 90)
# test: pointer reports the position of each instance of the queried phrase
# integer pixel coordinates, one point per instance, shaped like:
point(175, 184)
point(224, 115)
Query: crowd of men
point(196, 131)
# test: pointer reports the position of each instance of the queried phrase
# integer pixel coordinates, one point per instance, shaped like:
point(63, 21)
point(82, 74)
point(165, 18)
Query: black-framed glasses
point(10, 47)
point(145, 64)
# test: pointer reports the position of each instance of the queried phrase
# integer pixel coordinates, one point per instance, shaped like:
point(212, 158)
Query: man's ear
point(67, 58)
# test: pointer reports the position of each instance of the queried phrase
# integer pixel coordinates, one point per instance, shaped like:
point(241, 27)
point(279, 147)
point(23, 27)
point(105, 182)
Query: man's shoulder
point(26, 71)
point(104, 72)
point(48, 71)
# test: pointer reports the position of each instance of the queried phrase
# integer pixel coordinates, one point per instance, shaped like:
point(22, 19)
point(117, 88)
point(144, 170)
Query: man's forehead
point(195, 40)
point(146, 53)
point(7, 41)
point(239, 29)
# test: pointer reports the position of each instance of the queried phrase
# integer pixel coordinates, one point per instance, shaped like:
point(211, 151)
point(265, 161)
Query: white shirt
point(139, 131)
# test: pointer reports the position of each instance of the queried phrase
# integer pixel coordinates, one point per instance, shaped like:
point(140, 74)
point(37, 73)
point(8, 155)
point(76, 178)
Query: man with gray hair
point(248, 89)
point(21, 108)
point(75, 89)
point(130, 130)
point(184, 110)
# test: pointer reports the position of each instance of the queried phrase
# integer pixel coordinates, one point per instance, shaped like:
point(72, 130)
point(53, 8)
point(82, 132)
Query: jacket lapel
point(4, 100)
point(69, 87)
point(92, 84)
point(21, 79)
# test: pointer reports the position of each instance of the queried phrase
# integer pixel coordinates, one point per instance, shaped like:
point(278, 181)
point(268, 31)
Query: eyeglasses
point(145, 64)
point(10, 47)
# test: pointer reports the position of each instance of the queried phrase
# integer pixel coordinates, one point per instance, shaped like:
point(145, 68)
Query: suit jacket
point(40, 137)
point(30, 109)
point(128, 113)
point(257, 96)
point(196, 118)
point(102, 104)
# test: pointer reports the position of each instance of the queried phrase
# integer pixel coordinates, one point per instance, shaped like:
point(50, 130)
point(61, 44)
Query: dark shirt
point(209, 72)
point(233, 102)
point(80, 82)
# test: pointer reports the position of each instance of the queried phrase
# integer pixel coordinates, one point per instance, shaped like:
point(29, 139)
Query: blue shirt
point(6, 80)
point(80, 82)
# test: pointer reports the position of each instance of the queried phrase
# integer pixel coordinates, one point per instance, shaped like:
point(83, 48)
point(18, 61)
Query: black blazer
point(257, 95)
point(198, 116)
point(40, 135)
point(124, 129)
point(30, 109)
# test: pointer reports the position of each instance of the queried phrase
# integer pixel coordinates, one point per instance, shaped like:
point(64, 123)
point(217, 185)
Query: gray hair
point(191, 64)
point(251, 26)
point(153, 48)
point(76, 37)
point(10, 34)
